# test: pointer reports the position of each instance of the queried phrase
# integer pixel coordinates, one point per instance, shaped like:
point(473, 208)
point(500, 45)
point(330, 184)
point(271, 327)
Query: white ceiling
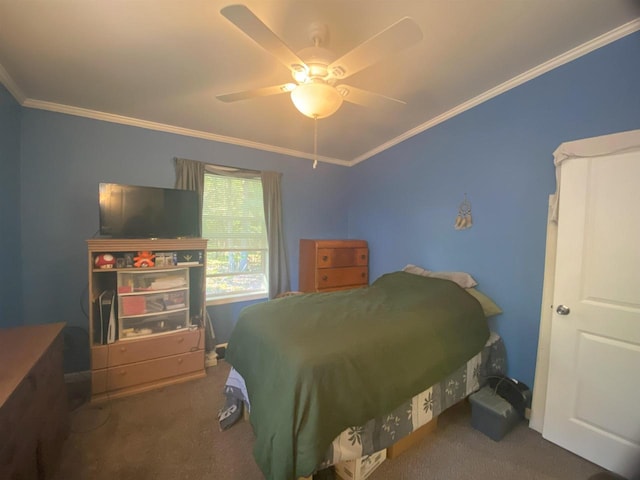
point(160, 63)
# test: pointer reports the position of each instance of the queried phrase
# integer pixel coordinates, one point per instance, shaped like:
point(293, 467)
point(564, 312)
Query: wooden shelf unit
point(134, 365)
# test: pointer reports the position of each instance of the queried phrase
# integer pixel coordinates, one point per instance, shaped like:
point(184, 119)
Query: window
point(237, 251)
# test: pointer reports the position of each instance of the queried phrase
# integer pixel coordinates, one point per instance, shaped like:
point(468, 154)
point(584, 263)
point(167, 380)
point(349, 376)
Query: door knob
point(563, 310)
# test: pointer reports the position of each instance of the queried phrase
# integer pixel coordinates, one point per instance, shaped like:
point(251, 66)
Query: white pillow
point(461, 278)
point(416, 270)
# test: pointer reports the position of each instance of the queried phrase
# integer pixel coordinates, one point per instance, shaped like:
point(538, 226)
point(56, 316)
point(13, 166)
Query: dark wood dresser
point(34, 412)
point(327, 265)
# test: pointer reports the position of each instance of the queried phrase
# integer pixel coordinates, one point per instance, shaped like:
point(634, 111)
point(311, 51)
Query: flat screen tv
point(129, 211)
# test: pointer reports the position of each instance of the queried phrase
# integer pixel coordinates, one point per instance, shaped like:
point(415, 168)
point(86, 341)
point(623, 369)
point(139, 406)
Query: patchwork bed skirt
point(380, 433)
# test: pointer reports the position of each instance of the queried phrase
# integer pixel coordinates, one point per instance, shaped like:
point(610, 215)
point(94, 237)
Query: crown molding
point(7, 81)
point(581, 50)
point(585, 48)
point(163, 127)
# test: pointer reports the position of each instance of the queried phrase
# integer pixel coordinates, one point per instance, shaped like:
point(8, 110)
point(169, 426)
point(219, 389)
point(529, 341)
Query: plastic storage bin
point(491, 414)
point(152, 301)
point(361, 468)
point(140, 280)
point(140, 326)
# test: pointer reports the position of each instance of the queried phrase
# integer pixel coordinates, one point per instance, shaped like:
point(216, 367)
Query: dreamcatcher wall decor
point(464, 220)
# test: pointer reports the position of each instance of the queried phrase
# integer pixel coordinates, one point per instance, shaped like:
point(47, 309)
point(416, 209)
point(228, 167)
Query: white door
point(593, 392)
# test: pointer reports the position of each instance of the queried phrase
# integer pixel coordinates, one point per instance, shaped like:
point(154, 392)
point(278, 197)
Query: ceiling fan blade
point(256, 92)
point(254, 28)
point(365, 98)
point(403, 33)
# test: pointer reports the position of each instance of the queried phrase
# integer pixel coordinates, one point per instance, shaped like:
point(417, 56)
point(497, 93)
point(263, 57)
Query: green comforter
point(316, 364)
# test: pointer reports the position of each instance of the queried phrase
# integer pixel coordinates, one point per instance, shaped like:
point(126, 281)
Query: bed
point(335, 376)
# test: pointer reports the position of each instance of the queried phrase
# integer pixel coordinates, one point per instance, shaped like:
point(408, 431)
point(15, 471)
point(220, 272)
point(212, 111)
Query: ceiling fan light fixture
point(317, 70)
point(316, 100)
point(338, 72)
point(300, 73)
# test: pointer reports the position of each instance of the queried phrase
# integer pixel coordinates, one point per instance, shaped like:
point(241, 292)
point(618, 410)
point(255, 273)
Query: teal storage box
point(491, 414)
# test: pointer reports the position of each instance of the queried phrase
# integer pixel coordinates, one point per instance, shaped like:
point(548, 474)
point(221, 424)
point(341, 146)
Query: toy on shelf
point(104, 260)
point(143, 259)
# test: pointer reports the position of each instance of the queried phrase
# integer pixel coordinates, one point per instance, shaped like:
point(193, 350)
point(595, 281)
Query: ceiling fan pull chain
point(315, 141)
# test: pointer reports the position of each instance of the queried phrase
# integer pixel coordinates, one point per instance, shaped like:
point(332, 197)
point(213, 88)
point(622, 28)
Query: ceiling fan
point(317, 90)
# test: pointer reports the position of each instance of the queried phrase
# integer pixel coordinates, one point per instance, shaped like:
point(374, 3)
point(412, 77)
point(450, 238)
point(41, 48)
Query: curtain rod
point(224, 167)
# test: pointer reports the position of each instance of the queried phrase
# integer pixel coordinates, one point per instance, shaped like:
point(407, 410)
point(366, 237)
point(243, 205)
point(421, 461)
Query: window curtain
point(190, 176)
point(278, 265)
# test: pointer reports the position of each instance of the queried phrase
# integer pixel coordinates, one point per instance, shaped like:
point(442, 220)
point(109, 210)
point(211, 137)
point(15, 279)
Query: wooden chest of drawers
point(34, 414)
point(327, 265)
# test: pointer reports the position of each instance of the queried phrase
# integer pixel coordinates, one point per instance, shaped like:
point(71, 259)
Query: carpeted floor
point(172, 434)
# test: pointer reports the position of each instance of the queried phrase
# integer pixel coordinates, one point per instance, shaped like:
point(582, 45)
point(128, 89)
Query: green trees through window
point(237, 251)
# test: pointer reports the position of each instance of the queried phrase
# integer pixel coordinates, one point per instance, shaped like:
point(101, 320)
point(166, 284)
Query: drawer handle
point(180, 360)
point(181, 339)
point(123, 349)
point(363, 274)
point(325, 278)
point(363, 256)
point(325, 258)
point(122, 373)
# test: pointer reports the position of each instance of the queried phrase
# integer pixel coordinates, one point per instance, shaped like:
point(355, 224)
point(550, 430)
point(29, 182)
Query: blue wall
point(11, 271)
point(64, 158)
point(405, 200)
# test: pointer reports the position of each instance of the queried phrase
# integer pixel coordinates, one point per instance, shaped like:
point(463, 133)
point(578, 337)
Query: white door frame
point(585, 148)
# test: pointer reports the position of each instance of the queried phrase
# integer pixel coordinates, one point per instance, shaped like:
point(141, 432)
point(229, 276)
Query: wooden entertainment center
point(158, 314)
